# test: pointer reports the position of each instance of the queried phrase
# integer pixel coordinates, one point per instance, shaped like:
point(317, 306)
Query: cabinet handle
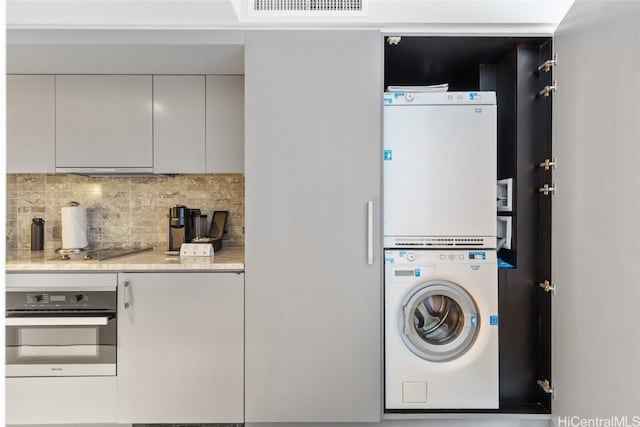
point(57, 321)
point(127, 294)
point(370, 232)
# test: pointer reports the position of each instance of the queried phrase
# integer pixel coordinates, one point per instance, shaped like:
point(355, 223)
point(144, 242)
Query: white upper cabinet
point(596, 141)
point(30, 124)
point(225, 124)
point(162, 124)
point(179, 124)
point(104, 121)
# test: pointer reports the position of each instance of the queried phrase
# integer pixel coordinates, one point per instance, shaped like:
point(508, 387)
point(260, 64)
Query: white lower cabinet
point(180, 347)
point(60, 400)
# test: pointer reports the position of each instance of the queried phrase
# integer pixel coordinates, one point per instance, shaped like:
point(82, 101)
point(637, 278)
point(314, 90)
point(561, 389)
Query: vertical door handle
point(370, 232)
point(127, 294)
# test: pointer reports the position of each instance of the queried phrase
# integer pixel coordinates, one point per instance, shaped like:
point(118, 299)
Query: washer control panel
point(410, 257)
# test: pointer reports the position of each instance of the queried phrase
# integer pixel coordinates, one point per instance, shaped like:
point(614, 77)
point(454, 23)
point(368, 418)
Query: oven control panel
point(56, 300)
point(61, 300)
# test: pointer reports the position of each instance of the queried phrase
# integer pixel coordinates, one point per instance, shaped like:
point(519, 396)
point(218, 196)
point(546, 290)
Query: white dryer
point(440, 170)
point(441, 330)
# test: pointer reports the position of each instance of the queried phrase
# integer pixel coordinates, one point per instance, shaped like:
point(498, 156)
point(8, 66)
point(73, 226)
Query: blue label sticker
point(398, 95)
point(474, 321)
point(502, 264)
point(389, 260)
point(417, 273)
point(402, 253)
point(388, 155)
point(388, 100)
point(472, 95)
point(493, 320)
point(478, 255)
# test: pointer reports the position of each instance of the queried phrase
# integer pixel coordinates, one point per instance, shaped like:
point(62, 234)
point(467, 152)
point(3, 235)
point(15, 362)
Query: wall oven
point(61, 331)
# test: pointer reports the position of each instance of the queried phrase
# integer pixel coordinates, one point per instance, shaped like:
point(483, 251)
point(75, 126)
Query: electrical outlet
point(196, 249)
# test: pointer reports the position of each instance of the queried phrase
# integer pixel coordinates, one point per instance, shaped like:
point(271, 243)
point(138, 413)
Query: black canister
point(37, 234)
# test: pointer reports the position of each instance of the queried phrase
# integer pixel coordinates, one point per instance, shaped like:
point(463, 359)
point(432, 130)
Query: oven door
point(61, 343)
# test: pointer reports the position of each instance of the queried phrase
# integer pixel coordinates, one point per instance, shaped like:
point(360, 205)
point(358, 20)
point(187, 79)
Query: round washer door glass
point(440, 321)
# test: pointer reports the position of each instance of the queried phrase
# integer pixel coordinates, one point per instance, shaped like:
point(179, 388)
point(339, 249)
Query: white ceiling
point(440, 16)
point(174, 37)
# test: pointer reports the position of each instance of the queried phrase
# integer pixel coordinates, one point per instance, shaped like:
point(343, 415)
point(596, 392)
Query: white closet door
point(312, 250)
point(596, 212)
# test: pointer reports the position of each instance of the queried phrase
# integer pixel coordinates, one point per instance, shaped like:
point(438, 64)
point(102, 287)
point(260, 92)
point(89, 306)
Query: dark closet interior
point(510, 67)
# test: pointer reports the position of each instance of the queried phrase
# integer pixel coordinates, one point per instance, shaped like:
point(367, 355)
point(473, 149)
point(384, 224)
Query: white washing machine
point(441, 329)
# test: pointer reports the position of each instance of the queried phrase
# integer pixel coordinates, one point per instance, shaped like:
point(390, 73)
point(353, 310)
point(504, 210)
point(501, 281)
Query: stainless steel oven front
point(61, 331)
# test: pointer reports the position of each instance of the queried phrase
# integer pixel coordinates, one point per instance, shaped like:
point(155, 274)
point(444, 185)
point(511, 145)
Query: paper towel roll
point(74, 227)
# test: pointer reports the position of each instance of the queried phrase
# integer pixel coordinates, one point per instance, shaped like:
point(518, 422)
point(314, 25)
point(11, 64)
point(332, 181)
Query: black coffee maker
point(182, 226)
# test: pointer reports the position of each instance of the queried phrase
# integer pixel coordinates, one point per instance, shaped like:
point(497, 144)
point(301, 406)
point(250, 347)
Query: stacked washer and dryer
point(441, 279)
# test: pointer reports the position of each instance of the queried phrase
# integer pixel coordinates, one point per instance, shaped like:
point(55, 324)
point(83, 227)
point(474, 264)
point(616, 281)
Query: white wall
point(125, 52)
point(124, 59)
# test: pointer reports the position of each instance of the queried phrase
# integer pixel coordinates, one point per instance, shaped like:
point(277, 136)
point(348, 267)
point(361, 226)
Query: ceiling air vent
point(309, 6)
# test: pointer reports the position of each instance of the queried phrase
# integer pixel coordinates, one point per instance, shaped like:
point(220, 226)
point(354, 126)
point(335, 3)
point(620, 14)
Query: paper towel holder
point(66, 252)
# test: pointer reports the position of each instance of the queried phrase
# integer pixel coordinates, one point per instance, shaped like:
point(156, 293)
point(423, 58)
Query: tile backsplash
point(121, 211)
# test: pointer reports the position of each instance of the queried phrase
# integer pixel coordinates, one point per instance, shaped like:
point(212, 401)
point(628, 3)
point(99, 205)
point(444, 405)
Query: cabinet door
point(225, 124)
point(104, 121)
point(180, 348)
point(60, 400)
point(313, 298)
point(179, 124)
point(596, 135)
point(30, 124)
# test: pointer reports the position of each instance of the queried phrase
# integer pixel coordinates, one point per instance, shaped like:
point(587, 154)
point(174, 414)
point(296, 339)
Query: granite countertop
point(152, 260)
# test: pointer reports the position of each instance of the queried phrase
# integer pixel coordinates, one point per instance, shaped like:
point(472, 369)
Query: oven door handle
point(57, 321)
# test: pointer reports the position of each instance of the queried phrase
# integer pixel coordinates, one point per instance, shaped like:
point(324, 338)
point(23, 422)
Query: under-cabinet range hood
point(102, 171)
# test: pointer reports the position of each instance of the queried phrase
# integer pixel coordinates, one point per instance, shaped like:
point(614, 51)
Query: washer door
point(440, 321)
